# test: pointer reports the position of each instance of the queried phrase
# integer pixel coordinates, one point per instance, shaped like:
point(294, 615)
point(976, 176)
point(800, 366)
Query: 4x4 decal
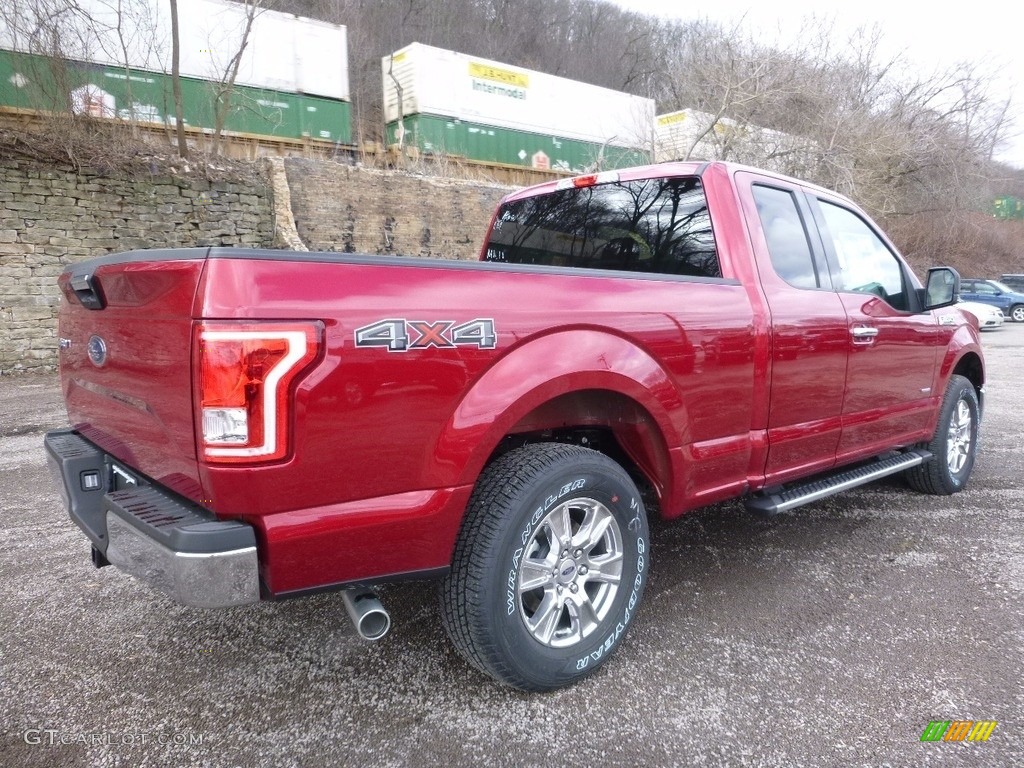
point(401, 335)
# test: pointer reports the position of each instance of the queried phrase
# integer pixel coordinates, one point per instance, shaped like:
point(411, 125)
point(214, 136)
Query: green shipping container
point(475, 141)
point(34, 82)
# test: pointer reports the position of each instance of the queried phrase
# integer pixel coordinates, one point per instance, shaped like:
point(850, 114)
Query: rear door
point(893, 347)
point(809, 336)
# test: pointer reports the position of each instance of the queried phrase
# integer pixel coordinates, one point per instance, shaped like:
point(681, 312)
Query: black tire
point(954, 444)
point(524, 636)
point(1017, 313)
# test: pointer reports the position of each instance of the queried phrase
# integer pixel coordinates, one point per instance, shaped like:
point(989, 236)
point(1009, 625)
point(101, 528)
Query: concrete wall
point(50, 218)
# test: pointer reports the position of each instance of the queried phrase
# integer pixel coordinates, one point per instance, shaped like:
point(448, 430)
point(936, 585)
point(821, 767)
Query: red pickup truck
point(254, 425)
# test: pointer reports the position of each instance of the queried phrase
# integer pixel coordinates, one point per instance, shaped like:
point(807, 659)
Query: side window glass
point(984, 288)
point(866, 265)
point(786, 237)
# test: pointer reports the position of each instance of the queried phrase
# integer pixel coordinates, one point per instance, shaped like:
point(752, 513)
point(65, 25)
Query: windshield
point(1001, 286)
point(652, 225)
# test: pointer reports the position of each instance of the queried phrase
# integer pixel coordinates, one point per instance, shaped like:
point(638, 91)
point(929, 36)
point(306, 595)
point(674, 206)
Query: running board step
point(798, 495)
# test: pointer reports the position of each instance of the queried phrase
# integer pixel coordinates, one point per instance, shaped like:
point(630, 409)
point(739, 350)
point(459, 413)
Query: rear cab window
point(653, 226)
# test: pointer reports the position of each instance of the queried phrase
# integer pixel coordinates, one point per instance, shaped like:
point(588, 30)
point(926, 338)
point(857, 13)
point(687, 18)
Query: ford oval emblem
point(97, 351)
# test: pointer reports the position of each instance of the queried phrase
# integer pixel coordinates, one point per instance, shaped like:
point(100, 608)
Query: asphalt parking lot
point(829, 636)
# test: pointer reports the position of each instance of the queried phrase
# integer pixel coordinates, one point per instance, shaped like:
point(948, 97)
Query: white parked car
point(989, 317)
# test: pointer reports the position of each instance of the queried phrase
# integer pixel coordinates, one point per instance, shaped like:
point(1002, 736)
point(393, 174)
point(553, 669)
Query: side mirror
point(942, 288)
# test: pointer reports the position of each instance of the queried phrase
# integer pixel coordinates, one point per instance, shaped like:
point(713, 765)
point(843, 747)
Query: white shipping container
point(284, 52)
point(447, 84)
point(689, 131)
point(705, 138)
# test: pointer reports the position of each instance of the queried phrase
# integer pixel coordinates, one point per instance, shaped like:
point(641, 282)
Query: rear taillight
point(244, 375)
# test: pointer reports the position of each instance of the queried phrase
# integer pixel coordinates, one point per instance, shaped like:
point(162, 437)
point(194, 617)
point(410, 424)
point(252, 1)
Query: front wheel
point(1017, 313)
point(550, 566)
point(954, 444)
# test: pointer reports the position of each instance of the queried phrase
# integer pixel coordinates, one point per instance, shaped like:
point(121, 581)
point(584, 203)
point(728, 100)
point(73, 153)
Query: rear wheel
point(1017, 313)
point(954, 444)
point(550, 566)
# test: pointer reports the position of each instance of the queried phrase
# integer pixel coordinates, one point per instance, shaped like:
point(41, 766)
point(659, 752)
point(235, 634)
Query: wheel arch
point(964, 357)
point(625, 431)
point(971, 367)
point(571, 381)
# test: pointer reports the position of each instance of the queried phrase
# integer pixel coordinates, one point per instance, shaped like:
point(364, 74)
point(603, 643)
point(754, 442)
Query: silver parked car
point(989, 317)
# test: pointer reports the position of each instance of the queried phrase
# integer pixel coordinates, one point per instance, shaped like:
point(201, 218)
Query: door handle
point(863, 334)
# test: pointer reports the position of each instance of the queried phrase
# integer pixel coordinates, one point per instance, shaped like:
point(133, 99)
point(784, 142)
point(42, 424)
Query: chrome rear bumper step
point(794, 496)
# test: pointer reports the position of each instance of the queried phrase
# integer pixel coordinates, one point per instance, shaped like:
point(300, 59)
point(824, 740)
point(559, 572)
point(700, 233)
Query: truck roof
point(657, 171)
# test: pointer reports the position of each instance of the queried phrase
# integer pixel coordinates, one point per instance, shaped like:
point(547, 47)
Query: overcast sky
point(986, 33)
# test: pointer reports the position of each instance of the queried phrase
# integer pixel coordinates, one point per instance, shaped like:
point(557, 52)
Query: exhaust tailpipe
point(371, 619)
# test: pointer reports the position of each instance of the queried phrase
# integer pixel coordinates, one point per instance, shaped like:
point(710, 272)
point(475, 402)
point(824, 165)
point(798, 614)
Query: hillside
point(975, 244)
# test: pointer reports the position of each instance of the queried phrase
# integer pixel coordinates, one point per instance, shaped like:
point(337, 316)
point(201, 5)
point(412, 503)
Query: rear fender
point(512, 395)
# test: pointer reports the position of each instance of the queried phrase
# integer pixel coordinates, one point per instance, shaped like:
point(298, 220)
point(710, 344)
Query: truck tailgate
point(125, 328)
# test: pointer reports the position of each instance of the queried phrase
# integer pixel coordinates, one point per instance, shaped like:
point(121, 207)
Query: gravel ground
point(828, 636)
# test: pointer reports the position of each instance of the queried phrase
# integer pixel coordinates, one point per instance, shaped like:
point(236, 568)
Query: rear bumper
point(171, 544)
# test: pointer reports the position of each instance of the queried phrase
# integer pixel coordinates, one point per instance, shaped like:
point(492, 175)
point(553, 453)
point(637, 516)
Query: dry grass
point(107, 148)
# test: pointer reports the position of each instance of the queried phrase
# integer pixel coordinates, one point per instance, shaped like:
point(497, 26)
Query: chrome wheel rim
point(1018, 314)
point(569, 573)
point(958, 444)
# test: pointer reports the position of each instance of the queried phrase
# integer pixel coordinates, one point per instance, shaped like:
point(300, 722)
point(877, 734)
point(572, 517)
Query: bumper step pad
point(176, 525)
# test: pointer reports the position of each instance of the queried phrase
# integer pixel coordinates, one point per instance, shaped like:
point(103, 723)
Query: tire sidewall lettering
point(612, 638)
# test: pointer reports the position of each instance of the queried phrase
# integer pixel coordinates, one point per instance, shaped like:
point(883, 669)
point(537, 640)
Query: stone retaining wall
point(50, 218)
point(360, 210)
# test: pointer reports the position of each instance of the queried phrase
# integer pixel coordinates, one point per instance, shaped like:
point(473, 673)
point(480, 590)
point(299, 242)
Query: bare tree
point(849, 118)
point(224, 86)
point(179, 112)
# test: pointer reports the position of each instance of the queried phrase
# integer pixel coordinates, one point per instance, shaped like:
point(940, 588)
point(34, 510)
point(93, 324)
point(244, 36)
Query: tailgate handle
point(87, 291)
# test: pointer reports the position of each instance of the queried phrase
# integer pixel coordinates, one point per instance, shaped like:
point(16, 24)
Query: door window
point(985, 288)
point(863, 262)
point(786, 236)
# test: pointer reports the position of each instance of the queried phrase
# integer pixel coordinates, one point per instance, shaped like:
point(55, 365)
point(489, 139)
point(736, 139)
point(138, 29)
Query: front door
point(893, 348)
